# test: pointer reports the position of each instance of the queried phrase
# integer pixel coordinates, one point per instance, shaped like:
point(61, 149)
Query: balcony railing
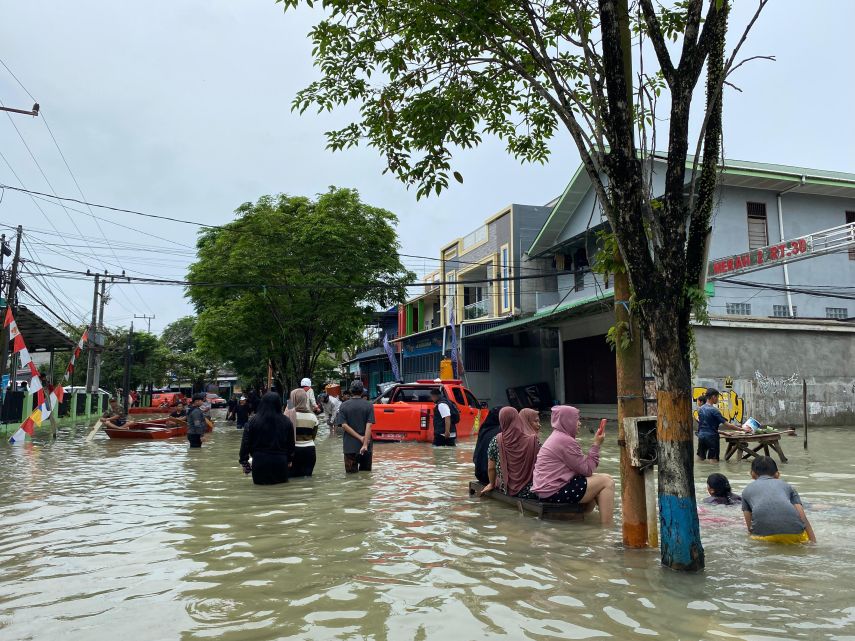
point(476, 310)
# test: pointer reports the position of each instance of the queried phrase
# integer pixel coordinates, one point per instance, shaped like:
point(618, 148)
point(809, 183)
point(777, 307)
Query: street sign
point(789, 251)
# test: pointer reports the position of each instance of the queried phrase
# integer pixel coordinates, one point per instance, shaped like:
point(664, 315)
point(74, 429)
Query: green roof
point(547, 314)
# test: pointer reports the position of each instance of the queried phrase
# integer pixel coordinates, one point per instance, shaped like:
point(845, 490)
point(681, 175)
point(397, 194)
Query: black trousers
point(358, 462)
point(195, 440)
point(269, 468)
point(440, 441)
point(304, 461)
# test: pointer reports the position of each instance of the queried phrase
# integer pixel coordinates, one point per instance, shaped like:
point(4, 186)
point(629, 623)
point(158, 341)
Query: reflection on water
point(137, 541)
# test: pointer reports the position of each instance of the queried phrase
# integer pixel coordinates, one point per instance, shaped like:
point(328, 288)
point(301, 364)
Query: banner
point(44, 406)
point(391, 354)
point(455, 352)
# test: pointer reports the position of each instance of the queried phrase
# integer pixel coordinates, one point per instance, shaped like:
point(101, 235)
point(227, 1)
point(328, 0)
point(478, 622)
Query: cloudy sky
point(182, 108)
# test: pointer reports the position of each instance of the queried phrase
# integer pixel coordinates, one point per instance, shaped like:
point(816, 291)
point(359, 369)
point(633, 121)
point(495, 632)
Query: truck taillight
point(423, 423)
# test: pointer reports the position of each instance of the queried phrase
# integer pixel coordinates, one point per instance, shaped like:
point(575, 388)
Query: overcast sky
point(182, 108)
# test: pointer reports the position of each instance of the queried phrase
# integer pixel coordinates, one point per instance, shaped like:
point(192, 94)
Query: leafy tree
point(186, 361)
point(178, 335)
point(291, 278)
point(431, 78)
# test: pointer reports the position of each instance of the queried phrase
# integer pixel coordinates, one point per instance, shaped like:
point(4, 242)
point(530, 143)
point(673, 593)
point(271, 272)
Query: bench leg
point(777, 447)
point(731, 450)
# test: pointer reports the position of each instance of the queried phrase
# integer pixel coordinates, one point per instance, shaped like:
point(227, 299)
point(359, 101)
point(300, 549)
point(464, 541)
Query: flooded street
point(147, 541)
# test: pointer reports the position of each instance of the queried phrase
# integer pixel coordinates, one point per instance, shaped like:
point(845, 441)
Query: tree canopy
point(431, 78)
point(292, 277)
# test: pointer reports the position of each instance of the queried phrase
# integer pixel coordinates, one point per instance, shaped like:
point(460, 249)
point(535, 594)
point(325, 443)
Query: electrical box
point(641, 443)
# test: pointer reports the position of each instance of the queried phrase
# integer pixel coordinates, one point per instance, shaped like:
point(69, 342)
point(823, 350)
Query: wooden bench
point(740, 443)
point(550, 511)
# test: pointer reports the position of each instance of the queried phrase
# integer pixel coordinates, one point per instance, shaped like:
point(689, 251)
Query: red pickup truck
point(405, 412)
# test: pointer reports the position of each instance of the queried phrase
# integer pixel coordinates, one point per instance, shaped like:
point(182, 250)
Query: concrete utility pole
point(10, 303)
point(90, 367)
point(96, 374)
point(148, 320)
point(126, 382)
point(32, 112)
point(629, 360)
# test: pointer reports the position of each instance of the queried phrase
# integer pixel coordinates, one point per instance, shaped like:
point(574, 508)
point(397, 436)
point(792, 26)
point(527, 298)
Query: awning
point(39, 335)
point(549, 315)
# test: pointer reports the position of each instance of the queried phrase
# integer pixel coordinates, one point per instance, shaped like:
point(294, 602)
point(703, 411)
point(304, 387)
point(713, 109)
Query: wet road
point(142, 541)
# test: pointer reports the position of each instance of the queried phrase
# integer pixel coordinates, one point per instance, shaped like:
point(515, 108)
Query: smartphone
point(602, 429)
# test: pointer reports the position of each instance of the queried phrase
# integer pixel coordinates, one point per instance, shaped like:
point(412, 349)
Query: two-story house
point(481, 283)
point(768, 330)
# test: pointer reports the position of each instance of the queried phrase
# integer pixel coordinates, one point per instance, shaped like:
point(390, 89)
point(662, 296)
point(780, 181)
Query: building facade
point(803, 305)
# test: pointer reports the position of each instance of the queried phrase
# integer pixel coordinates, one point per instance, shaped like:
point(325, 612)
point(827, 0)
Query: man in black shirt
point(356, 416)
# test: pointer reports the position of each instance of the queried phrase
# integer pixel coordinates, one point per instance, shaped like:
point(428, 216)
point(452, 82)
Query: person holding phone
point(563, 474)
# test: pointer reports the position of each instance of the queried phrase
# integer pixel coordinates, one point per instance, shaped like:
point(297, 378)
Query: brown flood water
point(141, 541)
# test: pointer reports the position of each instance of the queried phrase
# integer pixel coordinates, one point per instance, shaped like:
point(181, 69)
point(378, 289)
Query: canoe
point(146, 432)
point(160, 428)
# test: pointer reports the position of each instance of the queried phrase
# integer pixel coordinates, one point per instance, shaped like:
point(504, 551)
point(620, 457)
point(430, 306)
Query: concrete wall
point(767, 367)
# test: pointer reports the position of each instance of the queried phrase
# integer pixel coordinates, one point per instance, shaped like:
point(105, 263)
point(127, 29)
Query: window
point(836, 312)
point(850, 218)
point(783, 311)
point(505, 267)
point(473, 402)
point(475, 238)
point(758, 234)
point(458, 395)
point(739, 309)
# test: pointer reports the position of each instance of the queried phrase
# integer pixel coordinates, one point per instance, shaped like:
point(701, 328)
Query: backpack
point(455, 413)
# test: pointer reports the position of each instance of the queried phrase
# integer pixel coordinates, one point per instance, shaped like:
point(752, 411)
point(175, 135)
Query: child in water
point(772, 508)
point(719, 491)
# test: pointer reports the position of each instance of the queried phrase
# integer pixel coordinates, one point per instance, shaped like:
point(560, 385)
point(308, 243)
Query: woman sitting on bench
point(511, 455)
point(563, 474)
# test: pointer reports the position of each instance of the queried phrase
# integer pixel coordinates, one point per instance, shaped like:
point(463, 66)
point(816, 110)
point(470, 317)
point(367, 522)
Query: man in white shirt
point(306, 384)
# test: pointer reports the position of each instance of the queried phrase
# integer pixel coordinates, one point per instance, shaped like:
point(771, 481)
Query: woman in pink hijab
point(563, 474)
point(511, 456)
point(531, 418)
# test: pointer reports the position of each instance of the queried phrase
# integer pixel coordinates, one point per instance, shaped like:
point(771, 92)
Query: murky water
point(141, 541)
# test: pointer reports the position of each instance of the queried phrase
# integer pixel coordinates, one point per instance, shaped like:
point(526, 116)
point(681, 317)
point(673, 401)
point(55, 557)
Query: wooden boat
point(154, 429)
point(551, 511)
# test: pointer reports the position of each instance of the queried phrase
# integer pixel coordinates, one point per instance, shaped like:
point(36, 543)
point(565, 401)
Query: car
point(215, 401)
point(405, 411)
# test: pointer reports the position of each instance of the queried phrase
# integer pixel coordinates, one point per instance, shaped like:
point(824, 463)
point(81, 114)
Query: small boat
point(160, 428)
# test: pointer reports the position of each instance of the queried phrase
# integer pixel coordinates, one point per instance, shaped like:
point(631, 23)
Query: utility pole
point(126, 383)
point(32, 112)
point(10, 303)
point(96, 374)
point(629, 360)
point(148, 319)
point(90, 367)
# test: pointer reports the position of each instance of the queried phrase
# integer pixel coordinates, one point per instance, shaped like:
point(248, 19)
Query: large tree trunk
point(680, 537)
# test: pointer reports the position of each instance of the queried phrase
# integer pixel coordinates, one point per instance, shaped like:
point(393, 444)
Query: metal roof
point(734, 173)
point(548, 315)
point(39, 335)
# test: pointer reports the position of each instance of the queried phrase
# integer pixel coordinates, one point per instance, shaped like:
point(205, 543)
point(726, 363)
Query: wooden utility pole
point(629, 359)
point(10, 303)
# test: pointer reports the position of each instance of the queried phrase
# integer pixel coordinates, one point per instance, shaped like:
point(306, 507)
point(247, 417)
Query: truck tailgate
point(401, 422)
